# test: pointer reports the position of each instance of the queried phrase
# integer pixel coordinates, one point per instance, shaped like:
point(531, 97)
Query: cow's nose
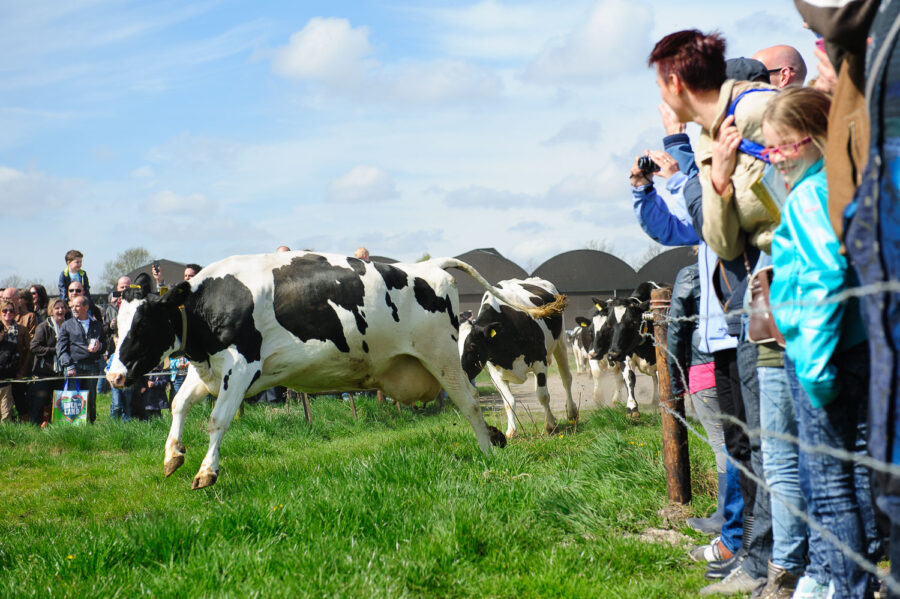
point(117, 380)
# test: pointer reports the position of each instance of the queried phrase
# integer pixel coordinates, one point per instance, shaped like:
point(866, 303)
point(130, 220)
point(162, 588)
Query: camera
point(156, 262)
point(647, 166)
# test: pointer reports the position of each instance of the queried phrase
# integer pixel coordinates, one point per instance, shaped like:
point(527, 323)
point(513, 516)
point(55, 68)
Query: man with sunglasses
point(76, 289)
point(79, 347)
point(784, 64)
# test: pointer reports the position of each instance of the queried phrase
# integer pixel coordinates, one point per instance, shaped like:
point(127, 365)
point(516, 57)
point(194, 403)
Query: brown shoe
point(780, 584)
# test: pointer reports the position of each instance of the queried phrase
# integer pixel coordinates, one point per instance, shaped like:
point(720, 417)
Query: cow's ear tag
point(493, 333)
point(598, 306)
point(582, 325)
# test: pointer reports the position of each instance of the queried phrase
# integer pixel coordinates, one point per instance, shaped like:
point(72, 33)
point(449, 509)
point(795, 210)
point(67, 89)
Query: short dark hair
point(194, 267)
point(72, 254)
point(698, 59)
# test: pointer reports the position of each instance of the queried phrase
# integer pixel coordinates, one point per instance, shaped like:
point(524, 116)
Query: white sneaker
point(808, 588)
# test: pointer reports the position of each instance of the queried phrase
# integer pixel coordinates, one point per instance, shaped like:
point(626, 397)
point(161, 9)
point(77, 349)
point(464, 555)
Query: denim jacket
point(809, 270)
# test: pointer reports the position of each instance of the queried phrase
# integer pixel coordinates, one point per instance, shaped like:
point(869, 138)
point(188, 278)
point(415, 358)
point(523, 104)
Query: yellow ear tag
point(598, 306)
point(582, 325)
point(493, 333)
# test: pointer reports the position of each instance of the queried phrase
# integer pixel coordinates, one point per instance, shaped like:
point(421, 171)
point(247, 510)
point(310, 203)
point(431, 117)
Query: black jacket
point(71, 346)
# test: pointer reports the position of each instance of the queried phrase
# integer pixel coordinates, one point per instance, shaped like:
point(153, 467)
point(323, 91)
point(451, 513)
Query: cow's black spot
point(219, 315)
point(365, 347)
point(358, 266)
point(392, 306)
point(517, 335)
point(540, 297)
point(225, 380)
point(541, 379)
point(303, 289)
point(429, 300)
point(256, 375)
point(394, 278)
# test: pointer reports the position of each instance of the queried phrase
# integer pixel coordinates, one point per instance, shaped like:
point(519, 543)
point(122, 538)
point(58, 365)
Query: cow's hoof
point(204, 480)
point(174, 464)
point(550, 429)
point(497, 438)
point(632, 414)
point(573, 415)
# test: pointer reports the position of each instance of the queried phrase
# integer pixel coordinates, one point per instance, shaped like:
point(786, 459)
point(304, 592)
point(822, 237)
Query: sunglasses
point(786, 150)
point(7, 311)
point(76, 290)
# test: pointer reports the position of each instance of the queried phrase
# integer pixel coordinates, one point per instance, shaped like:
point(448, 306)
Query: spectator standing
point(152, 395)
point(27, 322)
point(79, 348)
point(41, 301)
point(76, 289)
point(46, 364)
point(828, 360)
point(13, 346)
point(784, 64)
point(191, 270)
point(73, 272)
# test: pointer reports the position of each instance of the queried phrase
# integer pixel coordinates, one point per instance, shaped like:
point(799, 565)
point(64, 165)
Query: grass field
point(390, 505)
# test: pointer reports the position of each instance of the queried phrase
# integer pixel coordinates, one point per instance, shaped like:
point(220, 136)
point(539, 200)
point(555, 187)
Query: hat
point(746, 69)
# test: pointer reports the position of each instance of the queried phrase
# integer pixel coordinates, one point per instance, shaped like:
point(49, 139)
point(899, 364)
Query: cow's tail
point(548, 309)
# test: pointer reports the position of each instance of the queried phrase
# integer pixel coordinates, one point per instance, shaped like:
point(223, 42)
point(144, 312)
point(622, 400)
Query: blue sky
point(204, 129)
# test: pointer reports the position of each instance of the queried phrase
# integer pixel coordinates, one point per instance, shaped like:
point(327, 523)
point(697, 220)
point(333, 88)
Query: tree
point(12, 281)
point(124, 263)
point(652, 251)
point(425, 256)
point(600, 245)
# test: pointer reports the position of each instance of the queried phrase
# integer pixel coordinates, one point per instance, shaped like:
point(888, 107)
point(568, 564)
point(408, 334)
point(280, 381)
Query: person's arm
point(62, 348)
point(692, 192)
point(721, 227)
point(657, 220)
point(62, 285)
point(679, 146)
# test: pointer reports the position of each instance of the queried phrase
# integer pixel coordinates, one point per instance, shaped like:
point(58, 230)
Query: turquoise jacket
point(808, 270)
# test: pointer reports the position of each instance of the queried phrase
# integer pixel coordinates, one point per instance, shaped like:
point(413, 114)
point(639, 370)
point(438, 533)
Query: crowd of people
point(48, 344)
point(790, 198)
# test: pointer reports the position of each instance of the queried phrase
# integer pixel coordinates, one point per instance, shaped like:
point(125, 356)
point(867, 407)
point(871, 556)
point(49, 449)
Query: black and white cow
point(632, 344)
point(596, 334)
point(579, 340)
point(510, 343)
point(312, 322)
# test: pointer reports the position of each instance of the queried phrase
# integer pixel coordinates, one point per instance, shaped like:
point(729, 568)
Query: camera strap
point(748, 146)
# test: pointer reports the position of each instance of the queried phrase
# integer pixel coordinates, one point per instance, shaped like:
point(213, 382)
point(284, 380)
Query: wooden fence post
point(674, 434)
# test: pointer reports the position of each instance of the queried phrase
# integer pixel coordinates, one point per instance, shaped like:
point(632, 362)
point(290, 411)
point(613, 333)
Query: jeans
point(87, 385)
point(706, 405)
point(840, 493)
point(120, 404)
point(733, 509)
point(759, 549)
point(780, 463)
point(728, 390)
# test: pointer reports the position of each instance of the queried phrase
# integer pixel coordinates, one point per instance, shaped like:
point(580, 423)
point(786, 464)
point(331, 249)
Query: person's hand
point(827, 79)
point(668, 166)
point(157, 274)
point(724, 155)
point(670, 120)
point(70, 372)
point(638, 178)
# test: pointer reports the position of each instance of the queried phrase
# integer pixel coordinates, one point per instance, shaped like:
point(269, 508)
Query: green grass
point(390, 505)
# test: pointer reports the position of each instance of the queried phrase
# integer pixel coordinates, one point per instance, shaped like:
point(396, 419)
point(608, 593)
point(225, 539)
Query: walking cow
point(511, 343)
point(312, 322)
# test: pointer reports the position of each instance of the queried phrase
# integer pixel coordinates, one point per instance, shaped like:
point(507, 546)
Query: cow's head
point(149, 327)
point(627, 330)
point(601, 330)
point(476, 345)
point(583, 334)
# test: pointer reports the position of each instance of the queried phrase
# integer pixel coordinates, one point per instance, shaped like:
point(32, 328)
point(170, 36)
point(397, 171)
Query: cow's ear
point(177, 295)
point(644, 306)
point(582, 321)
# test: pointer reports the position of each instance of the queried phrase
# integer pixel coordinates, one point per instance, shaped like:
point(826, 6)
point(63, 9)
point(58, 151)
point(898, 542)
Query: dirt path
point(529, 410)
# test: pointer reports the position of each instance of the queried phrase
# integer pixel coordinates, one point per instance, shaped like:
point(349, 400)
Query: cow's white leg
point(562, 362)
point(543, 396)
point(631, 407)
point(509, 400)
point(240, 376)
point(596, 373)
point(621, 390)
point(191, 391)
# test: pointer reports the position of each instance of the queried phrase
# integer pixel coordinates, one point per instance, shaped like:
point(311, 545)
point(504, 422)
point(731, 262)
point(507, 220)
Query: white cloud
point(33, 192)
point(362, 184)
point(578, 131)
point(612, 40)
point(326, 50)
point(170, 203)
point(439, 81)
point(142, 172)
point(478, 196)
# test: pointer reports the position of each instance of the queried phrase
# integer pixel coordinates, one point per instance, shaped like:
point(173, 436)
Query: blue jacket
point(809, 269)
point(658, 222)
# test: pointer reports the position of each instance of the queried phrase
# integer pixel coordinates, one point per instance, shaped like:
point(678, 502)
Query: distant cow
point(312, 322)
point(579, 339)
point(596, 335)
point(511, 343)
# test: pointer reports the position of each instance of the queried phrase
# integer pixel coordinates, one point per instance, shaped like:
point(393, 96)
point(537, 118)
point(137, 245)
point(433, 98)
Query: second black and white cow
point(632, 344)
point(510, 343)
point(312, 322)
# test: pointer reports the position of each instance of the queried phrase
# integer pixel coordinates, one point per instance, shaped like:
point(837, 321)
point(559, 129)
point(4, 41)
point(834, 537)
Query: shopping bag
point(70, 405)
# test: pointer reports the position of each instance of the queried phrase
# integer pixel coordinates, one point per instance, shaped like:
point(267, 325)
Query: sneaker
point(808, 588)
point(719, 570)
point(739, 581)
point(714, 552)
point(780, 584)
